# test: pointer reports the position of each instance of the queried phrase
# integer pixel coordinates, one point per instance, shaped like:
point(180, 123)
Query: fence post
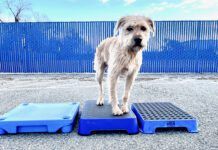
point(197, 50)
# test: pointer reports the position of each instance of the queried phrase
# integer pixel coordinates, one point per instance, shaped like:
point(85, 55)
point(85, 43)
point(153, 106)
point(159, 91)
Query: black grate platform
point(162, 115)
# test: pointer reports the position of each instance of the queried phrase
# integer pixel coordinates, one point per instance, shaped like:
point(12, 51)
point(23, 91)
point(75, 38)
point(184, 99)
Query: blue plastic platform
point(162, 115)
point(32, 117)
point(100, 118)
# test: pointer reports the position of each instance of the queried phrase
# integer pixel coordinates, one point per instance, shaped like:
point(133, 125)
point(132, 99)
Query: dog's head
point(134, 32)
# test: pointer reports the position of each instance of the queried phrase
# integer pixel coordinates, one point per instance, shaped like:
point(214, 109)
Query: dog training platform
point(162, 115)
point(100, 118)
point(30, 117)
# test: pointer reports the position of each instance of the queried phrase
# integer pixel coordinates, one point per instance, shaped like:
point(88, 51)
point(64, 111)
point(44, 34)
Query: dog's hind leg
point(99, 77)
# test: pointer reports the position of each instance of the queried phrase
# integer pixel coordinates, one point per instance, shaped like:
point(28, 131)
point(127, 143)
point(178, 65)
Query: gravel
point(195, 93)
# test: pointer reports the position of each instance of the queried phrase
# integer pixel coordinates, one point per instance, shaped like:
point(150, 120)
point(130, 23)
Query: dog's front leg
point(113, 94)
point(129, 81)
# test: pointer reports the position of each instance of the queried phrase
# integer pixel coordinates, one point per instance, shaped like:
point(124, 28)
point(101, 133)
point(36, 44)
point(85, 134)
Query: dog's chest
point(130, 65)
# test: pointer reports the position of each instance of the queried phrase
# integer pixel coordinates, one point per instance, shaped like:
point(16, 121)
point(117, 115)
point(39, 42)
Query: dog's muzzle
point(138, 41)
point(137, 44)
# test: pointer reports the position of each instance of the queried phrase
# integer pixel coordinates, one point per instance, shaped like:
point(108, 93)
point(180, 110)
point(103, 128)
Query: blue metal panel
point(31, 117)
point(178, 46)
point(163, 115)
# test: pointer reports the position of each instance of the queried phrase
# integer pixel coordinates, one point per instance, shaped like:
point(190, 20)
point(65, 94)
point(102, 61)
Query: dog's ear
point(151, 24)
point(119, 25)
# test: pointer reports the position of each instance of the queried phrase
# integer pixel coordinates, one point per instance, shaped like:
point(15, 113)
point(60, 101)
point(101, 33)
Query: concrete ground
point(196, 94)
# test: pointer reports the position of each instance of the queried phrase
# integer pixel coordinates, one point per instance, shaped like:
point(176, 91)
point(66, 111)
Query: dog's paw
point(125, 109)
point(117, 111)
point(100, 102)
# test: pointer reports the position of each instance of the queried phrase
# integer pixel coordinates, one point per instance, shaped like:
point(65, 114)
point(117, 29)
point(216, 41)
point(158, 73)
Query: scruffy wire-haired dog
point(122, 53)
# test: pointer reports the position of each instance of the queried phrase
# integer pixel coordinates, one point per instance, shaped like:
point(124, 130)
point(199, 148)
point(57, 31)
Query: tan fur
point(122, 57)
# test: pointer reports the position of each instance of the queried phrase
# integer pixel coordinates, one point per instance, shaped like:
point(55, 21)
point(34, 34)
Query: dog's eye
point(129, 29)
point(143, 28)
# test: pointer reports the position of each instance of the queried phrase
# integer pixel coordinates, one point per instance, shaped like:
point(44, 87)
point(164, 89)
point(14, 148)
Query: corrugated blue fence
point(178, 46)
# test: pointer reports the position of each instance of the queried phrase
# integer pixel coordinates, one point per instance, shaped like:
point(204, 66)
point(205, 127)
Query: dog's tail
point(98, 60)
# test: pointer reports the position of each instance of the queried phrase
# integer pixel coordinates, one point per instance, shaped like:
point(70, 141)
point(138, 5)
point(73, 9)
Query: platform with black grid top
point(162, 115)
point(100, 118)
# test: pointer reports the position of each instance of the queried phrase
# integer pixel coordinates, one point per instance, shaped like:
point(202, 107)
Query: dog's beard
point(135, 48)
point(132, 47)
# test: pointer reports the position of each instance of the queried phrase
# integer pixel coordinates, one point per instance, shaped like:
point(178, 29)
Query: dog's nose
point(138, 40)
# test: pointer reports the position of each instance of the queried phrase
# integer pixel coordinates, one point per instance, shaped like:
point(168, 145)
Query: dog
point(122, 55)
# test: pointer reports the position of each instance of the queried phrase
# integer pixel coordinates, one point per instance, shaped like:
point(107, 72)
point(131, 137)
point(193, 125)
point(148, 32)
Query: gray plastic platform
point(100, 118)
